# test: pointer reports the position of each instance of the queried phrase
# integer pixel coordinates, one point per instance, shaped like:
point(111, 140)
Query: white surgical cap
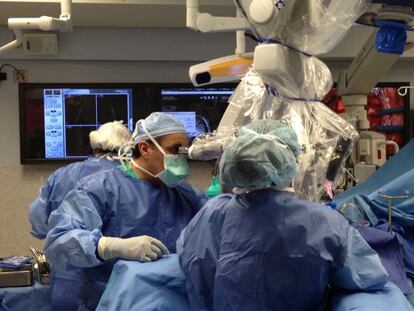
point(264, 154)
point(109, 136)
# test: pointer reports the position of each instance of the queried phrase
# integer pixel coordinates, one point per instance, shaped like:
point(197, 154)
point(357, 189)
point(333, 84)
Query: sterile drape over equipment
point(287, 83)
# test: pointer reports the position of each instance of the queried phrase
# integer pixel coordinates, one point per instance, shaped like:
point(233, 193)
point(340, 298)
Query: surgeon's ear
point(145, 149)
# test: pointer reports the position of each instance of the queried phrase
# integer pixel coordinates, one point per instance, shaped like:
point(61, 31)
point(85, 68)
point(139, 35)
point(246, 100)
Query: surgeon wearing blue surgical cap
point(264, 249)
point(134, 212)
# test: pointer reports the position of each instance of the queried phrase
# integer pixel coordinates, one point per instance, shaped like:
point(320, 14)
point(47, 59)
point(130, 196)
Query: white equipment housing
point(45, 23)
point(223, 69)
point(219, 70)
point(40, 44)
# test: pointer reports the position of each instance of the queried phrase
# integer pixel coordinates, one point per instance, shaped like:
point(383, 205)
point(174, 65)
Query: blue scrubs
point(114, 203)
point(158, 285)
point(267, 250)
point(57, 186)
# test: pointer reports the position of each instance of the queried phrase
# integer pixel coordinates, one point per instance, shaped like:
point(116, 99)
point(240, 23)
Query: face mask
point(176, 168)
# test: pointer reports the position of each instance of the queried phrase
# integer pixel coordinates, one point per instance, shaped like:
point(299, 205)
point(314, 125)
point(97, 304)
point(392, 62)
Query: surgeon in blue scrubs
point(134, 212)
point(264, 249)
point(105, 142)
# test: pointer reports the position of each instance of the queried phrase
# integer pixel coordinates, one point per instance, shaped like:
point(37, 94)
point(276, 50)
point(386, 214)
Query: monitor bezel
point(22, 114)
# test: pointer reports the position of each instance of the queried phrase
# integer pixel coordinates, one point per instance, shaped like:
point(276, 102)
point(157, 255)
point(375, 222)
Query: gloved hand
point(143, 248)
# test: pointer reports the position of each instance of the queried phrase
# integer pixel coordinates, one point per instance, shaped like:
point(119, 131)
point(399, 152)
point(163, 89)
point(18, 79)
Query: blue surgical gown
point(267, 250)
point(113, 203)
point(57, 186)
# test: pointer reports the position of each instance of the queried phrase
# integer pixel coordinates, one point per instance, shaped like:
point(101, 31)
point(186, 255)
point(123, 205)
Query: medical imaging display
point(56, 118)
point(57, 121)
point(200, 109)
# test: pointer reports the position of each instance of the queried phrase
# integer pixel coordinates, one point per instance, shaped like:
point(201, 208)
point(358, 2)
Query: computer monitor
point(187, 118)
point(56, 119)
point(200, 109)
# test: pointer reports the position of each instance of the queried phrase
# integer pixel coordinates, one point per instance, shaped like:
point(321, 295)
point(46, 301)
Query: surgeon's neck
point(143, 175)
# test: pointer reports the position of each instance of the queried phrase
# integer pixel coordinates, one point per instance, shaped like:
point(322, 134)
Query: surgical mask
point(176, 168)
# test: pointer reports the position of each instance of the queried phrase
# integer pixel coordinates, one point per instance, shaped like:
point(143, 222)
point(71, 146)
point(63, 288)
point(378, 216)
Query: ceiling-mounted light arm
point(205, 22)
point(240, 38)
point(13, 44)
point(45, 23)
point(65, 9)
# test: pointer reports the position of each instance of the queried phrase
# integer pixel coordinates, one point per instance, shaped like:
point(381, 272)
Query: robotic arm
point(287, 83)
point(45, 23)
point(205, 22)
point(292, 71)
point(290, 31)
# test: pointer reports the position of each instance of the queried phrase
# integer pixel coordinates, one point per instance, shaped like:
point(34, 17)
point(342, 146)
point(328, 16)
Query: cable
point(12, 66)
point(251, 36)
point(351, 175)
point(9, 65)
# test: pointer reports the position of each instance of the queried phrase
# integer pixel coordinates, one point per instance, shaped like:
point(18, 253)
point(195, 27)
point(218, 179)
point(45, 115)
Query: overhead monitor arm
point(205, 22)
point(45, 23)
point(13, 44)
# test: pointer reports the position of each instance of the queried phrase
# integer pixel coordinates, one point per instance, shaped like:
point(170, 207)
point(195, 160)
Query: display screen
point(200, 109)
point(187, 118)
point(56, 118)
point(57, 121)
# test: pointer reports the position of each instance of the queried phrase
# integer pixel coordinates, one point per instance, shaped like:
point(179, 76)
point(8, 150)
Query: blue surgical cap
point(157, 124)
point(263, 154)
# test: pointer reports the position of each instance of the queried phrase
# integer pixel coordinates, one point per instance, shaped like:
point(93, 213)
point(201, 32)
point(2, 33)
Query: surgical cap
point(110, 136)
point(263, 154)
point(157, 124)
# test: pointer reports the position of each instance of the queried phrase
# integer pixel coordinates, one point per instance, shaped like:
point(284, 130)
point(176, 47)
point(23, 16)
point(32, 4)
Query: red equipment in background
point(385, 109)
